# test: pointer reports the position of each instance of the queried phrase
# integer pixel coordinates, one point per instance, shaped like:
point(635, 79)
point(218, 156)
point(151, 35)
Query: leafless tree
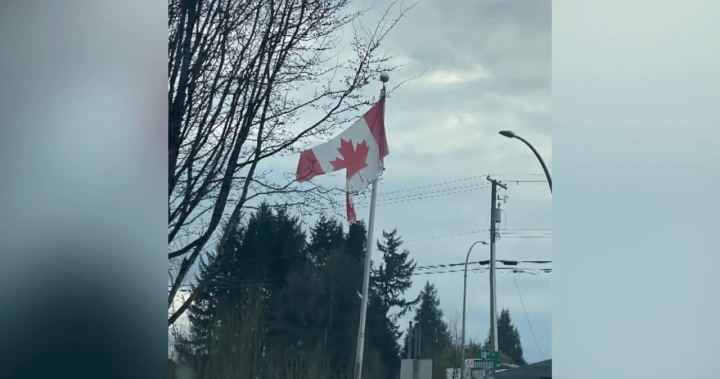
point(250, 80)
point(455, 330)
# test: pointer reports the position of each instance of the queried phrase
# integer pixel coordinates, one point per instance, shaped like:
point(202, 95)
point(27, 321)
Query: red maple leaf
point(353, 160)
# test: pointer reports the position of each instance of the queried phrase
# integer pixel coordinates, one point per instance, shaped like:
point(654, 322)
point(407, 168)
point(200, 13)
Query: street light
point(462, 364)
point(510, 134)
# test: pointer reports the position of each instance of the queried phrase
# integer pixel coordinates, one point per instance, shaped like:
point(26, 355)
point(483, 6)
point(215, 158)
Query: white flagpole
point(368, 255)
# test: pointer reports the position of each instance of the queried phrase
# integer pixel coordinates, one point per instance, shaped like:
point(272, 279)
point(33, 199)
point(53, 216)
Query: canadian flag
point(360, 150)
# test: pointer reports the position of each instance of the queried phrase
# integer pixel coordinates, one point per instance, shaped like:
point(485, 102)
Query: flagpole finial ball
point(384, 77)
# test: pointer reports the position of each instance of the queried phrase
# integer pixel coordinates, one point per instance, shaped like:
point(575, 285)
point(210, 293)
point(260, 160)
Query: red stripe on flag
point(350, 208)
point(308, 167)
point(376, 123)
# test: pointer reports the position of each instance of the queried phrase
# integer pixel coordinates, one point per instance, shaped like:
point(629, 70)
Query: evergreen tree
point(320, 309)
point(326, 239)
point(355, 242)
point(508, 339)
point(347, 268)
point(394, 276)
point(310, 286)
point(322, 290)
point(381, 337)
point(428, 317)
point(202, 313)
point(259, 255)
point(388, 284)
point(269, 247)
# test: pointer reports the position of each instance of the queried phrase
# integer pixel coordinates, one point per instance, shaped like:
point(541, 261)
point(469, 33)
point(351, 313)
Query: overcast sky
point(487, 67)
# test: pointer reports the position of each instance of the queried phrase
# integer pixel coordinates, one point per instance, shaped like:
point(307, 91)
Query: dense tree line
point(308, 289)
point(281, 302)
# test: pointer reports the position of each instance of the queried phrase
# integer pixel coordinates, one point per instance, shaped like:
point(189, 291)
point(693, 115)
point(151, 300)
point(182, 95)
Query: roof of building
point(539, 370)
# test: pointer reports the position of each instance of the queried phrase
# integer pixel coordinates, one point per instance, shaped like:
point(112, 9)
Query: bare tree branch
point(243, 74)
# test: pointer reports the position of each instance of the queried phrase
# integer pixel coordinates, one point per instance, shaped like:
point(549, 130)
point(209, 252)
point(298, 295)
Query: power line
point(432, 185)
point(445, 236)
point(301, 255)
point(423, 196)
point(516, 174)
point(472, 232)
point(477, 269)
point(220, 285)
point(455, 181)
point(468, 187)
point(528, 318)
point(477, 186)
point(529, 229)
point(461, 180)
point(402, 199)
point(534, 271)
point(514, 271)
point(484, 262)
point(522, 231)
point(421, 268)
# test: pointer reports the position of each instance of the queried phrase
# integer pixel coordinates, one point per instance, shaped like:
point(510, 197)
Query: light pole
point(510, 134)
point(462, 347)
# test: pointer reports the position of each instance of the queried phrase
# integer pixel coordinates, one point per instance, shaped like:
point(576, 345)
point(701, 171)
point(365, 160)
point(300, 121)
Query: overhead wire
point(364, 195)
point(455, 181)
point(516, 174)
point(431, 185)
point(262, 259)
point(361, 202)
point(225, 285)
point(472, 232)
point(511, 270)
point(424, 195)
point(452, 190)
point(483, 262)
point(528, 318)
point(468, 187)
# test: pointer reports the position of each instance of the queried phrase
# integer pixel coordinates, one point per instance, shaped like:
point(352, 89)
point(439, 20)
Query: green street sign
point(489, 355)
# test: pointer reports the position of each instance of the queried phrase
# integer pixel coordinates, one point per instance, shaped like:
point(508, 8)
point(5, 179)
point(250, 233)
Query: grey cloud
point(444, 132)
point(456, 31)
point(493, 12)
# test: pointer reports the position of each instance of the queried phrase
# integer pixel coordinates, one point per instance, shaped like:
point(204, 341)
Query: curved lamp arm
point(468, 253)
point(462, 365)
point(510, 134)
